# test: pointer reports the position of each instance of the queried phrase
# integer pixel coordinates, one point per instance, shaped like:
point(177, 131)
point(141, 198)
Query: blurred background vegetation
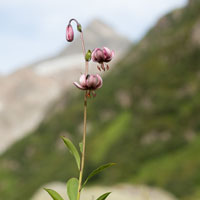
point(146, 118)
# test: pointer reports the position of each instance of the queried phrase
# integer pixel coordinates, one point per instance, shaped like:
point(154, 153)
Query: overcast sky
point(33, 29)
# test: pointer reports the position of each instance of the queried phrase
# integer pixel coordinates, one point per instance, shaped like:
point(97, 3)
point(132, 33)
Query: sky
point(34, 29)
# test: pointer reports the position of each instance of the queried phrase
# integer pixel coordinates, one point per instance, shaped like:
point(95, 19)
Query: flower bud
point(69, 33)
point(88, 56)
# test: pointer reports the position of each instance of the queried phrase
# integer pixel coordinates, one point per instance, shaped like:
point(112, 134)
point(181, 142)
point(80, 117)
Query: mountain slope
point(26, 95)
point(146, 118)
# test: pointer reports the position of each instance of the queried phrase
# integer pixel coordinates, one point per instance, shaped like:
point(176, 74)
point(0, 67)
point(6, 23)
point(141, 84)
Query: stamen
point(107, 67)
point(88, 94)
point(93, 94)
point(98, 68)
point(102, 67)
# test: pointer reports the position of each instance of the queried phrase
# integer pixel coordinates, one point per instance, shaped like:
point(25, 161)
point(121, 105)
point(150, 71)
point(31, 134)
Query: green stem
point(84, 124)
point(83, 152)
point(84, 52)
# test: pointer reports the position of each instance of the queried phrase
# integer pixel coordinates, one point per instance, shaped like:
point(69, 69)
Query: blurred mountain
point(26, 95)
point(146, 119)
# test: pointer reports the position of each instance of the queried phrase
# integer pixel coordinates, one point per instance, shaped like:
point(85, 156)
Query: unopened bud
point(88, 56)
point(69, 33)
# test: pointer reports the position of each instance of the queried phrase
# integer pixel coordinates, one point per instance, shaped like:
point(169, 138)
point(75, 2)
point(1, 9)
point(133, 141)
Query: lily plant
point(89, 83)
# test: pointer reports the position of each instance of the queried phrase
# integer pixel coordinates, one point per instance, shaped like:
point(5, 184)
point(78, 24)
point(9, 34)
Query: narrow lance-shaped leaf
point(72, 188)
point(104, 196)
point(96, 171)
point(54, 194)
point(73, 150)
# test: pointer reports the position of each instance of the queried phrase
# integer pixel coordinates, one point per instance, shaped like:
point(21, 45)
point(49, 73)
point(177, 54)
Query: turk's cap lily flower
point(69, 33)
point(89, 82)
point(102, 55)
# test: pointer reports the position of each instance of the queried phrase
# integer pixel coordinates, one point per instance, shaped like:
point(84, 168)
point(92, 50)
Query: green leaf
point(73, 150)
point(81, 147)
point(72, 188)
point(96, 171)
point(54, 194)
point(104, 196)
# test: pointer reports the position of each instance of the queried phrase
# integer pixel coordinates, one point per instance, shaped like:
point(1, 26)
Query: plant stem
point(83, 152)
point(83, 45)
point(84, 52)
point(84, 124)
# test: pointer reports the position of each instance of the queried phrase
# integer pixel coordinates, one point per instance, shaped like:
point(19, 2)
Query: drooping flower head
point(89, 82)
point(69, 33)
point(102, 55)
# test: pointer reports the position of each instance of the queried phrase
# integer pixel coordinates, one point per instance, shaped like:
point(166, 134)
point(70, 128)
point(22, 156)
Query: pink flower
point(102, 55)
point(69, 33)
point(98, 55)
point(89, 82)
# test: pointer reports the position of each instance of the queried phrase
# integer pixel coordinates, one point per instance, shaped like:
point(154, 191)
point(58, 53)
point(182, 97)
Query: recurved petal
point(107, 52)
point(93, 55)
point(92, 81)
point(79, 86)
point(113, 54)
point(100, 81)
point(99, 55)
point(82, 80)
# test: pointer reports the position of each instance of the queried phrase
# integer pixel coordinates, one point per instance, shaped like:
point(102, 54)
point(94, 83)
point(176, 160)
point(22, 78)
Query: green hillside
point(146, 118)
